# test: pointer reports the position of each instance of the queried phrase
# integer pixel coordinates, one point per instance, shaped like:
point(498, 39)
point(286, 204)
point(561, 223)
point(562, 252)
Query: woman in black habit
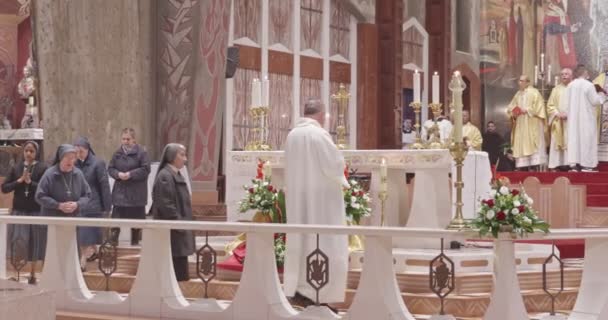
point(171, 201)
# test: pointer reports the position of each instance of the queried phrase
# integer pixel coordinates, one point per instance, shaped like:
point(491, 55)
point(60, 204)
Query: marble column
point(96, 71)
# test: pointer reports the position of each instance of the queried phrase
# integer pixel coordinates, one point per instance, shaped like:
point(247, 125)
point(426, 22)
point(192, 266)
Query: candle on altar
point(549, 74)
point(383, 175)
point(256, 92)
point(542, 62)
point(266, 95)
point(416, 86)
point(556, 81)
point(30, 101)
point(267, 170)
point(535, 75)
point(435, 88)
point(457, 105)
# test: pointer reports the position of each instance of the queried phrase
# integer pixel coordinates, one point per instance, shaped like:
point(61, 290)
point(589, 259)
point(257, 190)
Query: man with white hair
point(557, 110)
point(314, 178)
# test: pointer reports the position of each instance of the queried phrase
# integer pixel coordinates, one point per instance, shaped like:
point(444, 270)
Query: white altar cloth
point(25, 302)
point(430, 203)
point(477, 176)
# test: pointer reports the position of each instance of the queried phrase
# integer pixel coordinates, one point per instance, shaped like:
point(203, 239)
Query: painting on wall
point(516, 33)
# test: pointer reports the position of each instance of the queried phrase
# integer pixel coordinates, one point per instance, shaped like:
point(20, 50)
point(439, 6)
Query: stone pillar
point(191, 85)
point(438, 25)
point(96, 71)
point(389, 20)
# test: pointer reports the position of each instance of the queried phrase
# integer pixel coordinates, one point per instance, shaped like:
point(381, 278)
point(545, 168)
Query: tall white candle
point(256, 99)
point(556, 81)
point(30, 101)
point(457, 101)
point(549, 74)
point(435, 88)
point(266, 95)
point(267, 170)
point(416, 86)
point(542, 62)
point(535, 75)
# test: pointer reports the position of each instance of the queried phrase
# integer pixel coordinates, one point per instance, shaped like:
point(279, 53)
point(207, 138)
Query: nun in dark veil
point(23, 180)
point(171, 201)
point(63, 190)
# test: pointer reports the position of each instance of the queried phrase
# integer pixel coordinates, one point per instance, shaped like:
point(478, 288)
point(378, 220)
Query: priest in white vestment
point(557, 110)
point(314, 178)
point(582, 121)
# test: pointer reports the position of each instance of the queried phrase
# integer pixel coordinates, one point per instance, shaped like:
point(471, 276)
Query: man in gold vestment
point(470, 133)
point(602, 81)
point(557, 110)
point(527, 109)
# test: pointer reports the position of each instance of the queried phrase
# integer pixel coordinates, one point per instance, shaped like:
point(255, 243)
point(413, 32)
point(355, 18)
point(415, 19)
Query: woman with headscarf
point(171, 201)
point(95, 173)
point(130, 167)
point(63, 190)
point(23, 180)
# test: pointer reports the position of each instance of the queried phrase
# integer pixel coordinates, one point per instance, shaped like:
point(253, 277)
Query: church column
point(438, 25)
point(389, 18)
point(367, 85)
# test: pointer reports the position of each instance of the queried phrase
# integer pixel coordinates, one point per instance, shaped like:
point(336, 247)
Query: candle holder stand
point(435, 142)
point(458, 150)
point(341, 97)
point(259, 132)
point(418, 143)
point(382, 195)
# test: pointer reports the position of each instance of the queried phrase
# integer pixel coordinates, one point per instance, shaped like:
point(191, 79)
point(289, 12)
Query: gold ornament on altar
point(383, 193)
point(418, 142)
point(458, 150)
point(341, 98)
point(435, 142)
point(259, 111)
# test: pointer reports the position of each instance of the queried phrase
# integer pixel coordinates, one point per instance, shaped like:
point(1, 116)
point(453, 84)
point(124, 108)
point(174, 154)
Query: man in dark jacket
point(492, 142)
point(130, 167)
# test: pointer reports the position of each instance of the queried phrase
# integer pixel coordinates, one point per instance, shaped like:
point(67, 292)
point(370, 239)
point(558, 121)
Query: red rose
point(514, 192)
point(360, 194)
point(490, 203)
point(501, 216)
point(521, 209)
point(250, 190)
point(269, 188)
point(354, 194)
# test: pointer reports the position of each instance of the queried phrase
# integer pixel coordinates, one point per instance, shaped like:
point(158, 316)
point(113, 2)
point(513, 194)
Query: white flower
point(353, 182)
point(515, 211)
point(526, 220)
point(516, 203)
point(265, 183)
point(355, 205)
point(529, 200)
point(490, 214)
point(353, 199)
point(493, 193)
point(257, 198)
point(504, 190)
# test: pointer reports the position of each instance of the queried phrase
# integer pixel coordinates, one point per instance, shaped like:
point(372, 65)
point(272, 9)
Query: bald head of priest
point(315, 109)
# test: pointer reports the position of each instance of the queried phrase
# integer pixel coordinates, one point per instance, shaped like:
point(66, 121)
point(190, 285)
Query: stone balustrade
point(156, 293)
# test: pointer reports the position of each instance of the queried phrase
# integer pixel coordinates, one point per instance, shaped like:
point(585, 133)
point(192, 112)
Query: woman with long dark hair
point(99, 205)
point(23, 180)
point(171, 201)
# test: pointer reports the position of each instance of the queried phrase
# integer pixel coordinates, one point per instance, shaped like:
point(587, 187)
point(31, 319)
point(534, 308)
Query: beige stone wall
point(96, 68)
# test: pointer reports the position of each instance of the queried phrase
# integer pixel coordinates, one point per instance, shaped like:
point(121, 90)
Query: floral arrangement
point(261, 195)
point(508, 209)
point(356, 200)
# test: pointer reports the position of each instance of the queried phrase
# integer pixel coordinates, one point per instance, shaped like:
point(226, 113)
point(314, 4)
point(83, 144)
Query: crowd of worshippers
point(561, 134)
point(77, 184)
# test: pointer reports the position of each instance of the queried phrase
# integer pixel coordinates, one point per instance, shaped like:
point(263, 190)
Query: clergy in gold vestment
point(557, 111)
point(470, 133)
point(601, 81)
point(527, 110)
point(314, 178)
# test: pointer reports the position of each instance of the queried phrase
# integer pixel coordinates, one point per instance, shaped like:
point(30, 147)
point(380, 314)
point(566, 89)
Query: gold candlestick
point(341, 98)
point(436, 140)
point(382, 195)
point(458, 150)
point(418, 143)
point(259, 132)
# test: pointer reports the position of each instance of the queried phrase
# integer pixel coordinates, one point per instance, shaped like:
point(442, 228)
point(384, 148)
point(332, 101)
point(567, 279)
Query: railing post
point(378, 296)
point(61, 273)
point(3, 239)
point(260, 295)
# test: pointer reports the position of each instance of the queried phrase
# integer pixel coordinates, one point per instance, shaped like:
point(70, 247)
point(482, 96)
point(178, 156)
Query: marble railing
point(155, 292)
